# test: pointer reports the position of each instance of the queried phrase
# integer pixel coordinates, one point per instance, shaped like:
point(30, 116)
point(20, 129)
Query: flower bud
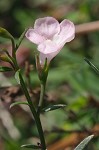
point(5, 58)
point(5, 34)
point(42, 70)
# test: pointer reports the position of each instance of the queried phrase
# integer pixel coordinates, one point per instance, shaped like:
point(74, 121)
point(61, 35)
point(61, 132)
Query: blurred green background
point(71, 80)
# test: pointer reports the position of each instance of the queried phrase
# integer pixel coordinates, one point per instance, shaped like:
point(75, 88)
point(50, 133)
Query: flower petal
point(47, 47)
point(49, 50)
point(49, 57)
point(47, 27)
point(34, 36)
point(67, 33)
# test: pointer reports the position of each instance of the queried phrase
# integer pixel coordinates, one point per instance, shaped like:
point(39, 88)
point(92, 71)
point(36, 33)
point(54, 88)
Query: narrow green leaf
point(4, 69)
point(17, 103)
point(31, 146)
point(53, 107)
point(17, 76)
point(92, 65)
point(20, 39)
point(5, 34)
point(82, 145)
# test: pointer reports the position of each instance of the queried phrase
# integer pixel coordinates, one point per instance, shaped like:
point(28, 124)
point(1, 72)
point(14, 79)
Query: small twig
point(87, 27)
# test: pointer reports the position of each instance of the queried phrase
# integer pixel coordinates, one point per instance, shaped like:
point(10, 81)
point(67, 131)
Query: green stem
point(41, 98)
point(26, 93)
point(36, 116)
point(13, 48)
point(42, 95)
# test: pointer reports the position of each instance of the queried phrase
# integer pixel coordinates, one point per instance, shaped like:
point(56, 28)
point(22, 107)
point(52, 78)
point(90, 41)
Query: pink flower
point(50, 36)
